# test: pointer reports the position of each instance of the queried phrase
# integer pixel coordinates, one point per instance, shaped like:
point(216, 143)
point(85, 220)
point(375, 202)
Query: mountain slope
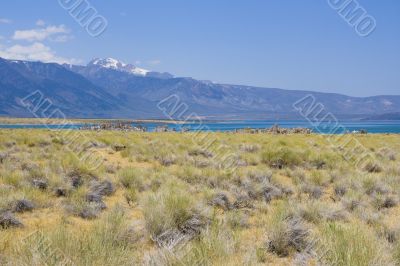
point(109, 88)
point(222, 100)
point(387, 117)
point(68, 91)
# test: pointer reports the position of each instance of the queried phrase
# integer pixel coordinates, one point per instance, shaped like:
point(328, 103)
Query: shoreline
point(232, 132)
point(242, 126)
point(75, 121)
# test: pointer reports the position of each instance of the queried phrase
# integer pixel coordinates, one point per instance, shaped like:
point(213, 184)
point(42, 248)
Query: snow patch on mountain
point(387, 102)
point(112, 63)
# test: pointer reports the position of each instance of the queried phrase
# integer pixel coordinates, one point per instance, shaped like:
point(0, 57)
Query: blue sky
point(286, 44)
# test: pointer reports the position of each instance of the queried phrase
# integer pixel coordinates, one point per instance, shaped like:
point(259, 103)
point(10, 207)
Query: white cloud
point(40, 23)
point(5, 21)
point(39, 34)
point(61, 38)
point(34, 52)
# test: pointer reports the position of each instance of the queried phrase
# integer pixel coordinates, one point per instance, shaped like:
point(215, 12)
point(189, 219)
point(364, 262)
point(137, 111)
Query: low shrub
point(373, 167)
point(237, 220)
point(250, 148)
point(340, 190)
point(286, 233)
point(102, 188)
point(291, 235)
point(7, 220)
point(166, 160)
point(22, 205)
point(315, 192)
point(222, 201)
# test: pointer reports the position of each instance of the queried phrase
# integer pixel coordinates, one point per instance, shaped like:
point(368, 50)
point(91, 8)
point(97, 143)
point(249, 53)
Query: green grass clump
point(215, 245)
point(167, 209)
point(103, 244)
point(132, 178)
point(281, 157)
point(350, 245)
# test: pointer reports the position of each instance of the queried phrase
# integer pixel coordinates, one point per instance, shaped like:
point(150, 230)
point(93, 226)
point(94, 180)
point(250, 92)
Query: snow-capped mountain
point(112, 63)
point(107, 88)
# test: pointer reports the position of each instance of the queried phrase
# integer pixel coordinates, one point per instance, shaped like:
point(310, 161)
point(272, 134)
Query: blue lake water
point(323, 128)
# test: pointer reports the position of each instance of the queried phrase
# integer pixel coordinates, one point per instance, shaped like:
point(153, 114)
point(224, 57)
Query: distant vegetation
point(159, 199)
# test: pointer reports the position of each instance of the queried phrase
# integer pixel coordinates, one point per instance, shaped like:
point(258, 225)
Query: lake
point(224, 126)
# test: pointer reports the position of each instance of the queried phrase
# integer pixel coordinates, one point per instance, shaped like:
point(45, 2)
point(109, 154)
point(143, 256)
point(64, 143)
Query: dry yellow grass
point(241, 228)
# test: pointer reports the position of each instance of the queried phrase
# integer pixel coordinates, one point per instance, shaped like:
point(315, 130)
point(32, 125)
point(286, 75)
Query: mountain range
point(108, 88)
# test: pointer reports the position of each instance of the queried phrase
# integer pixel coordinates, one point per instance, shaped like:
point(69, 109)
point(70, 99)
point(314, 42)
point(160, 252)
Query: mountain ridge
point(108, 88)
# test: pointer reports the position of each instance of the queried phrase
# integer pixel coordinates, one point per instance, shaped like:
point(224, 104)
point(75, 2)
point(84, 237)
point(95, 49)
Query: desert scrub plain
point(160, 199)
